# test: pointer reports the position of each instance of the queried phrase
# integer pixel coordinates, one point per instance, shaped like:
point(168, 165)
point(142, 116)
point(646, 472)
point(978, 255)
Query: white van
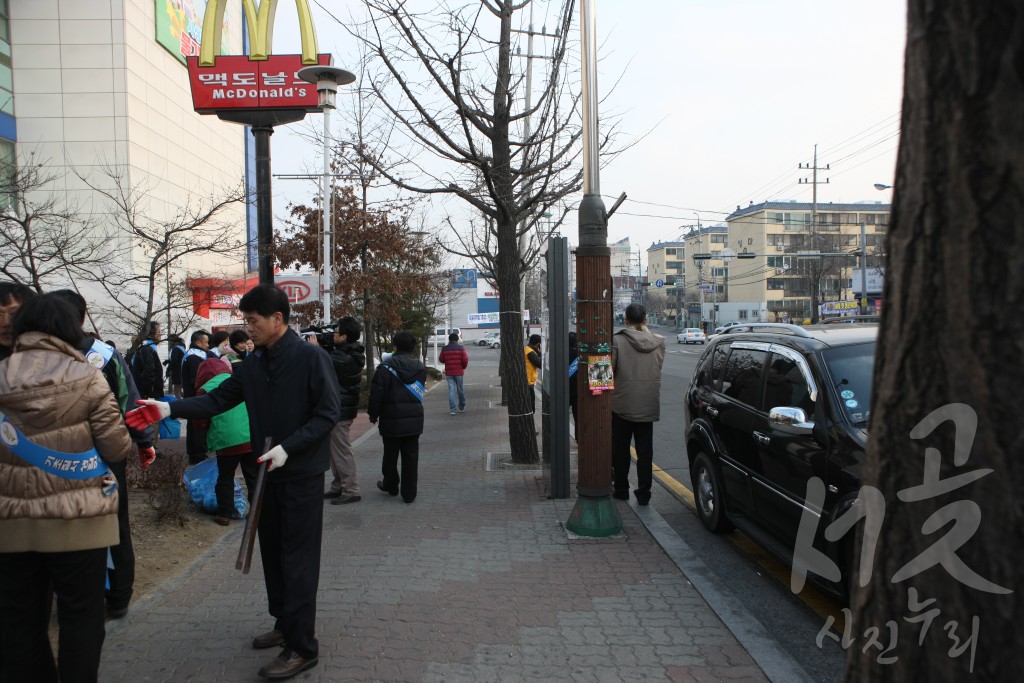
point(441, 336)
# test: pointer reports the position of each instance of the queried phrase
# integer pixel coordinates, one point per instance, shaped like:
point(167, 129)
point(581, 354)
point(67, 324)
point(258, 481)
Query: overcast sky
point(725, 97)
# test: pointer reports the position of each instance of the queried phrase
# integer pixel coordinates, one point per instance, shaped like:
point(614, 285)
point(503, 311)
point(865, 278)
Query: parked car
point(491, 339)
point(722, 328)
point(441, 335)
point(691, 335)
point(768, 410)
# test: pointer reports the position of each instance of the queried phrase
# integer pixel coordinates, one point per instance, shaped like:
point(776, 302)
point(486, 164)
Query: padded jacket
point(400, 413)
point(61, 402)
point(349, 360)
point(455, 359)
point(637, 357)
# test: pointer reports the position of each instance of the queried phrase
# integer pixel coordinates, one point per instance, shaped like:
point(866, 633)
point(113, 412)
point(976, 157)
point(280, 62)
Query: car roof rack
point(794, 330)
point(846, 319)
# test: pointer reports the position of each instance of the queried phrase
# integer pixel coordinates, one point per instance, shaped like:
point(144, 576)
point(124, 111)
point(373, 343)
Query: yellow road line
point(821, 605)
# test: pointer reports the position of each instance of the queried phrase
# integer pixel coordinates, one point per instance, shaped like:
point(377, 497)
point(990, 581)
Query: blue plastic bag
point(169, 428)
point(201, 481)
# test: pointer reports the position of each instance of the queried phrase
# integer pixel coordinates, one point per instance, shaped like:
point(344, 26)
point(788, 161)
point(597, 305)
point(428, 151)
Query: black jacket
point(400, 413)
point(290, 398)
point(174, 359)
point(148, 372)
point(122, 385)
point(189, 370)
point(349, 361)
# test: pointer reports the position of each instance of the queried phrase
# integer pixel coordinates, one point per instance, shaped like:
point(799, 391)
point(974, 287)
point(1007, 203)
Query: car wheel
point(709, 495)
point(678, 342)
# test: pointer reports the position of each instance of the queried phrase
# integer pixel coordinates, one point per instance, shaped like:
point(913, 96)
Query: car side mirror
point(790, 420)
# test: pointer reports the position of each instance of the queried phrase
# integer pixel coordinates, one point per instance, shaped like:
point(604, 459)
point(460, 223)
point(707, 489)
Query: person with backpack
point(396, 400)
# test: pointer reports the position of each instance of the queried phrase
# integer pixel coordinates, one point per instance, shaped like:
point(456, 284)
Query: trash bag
point(169, 428)
point(201, 481)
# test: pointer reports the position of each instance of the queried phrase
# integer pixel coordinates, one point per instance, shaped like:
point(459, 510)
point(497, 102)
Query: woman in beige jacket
point(54, 531)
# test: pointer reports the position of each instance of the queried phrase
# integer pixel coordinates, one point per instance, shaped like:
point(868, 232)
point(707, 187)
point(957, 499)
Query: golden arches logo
point(261, 30)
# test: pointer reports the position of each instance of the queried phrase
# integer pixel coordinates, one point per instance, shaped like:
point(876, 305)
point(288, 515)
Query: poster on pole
point(600, 377)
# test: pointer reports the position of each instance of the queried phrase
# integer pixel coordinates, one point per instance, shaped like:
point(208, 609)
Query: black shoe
point(269, 639)
point(332, 494)
point(287, 664)
point(620, 495)
point(642, 497)
point(116, 612)
point(343, 500)
point(380, 485)
point(409, 500)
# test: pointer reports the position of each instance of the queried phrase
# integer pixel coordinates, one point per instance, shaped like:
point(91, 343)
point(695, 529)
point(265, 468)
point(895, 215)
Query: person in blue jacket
point(396, 400)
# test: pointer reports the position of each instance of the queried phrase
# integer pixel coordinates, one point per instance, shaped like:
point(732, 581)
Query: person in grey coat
point(637, 356)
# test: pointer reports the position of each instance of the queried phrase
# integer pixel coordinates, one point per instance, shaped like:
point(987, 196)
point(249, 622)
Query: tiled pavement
point(475, 581)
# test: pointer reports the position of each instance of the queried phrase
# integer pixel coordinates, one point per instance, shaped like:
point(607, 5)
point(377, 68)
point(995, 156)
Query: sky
point(722, 100)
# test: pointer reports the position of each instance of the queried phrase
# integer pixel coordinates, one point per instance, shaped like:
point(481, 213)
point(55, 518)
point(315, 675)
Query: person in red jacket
point(455, 360)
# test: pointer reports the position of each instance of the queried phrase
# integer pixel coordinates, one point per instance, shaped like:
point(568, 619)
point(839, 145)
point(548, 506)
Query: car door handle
point(712, 411)
point(762, 439)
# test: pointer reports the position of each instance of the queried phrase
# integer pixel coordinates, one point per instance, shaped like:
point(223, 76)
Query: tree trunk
point(952, 334)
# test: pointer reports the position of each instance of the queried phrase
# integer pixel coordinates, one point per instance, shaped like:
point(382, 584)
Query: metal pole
point(594, 513)
point(863, 270)
point(264, 207)
point(326, 284)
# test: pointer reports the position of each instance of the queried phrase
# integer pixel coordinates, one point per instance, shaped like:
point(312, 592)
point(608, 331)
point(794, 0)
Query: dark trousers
point(642, 434)
point(291, 529)
point(122, 576)
point(225, 487)
point(408, 447)
point(195, 442)
point(25, 599)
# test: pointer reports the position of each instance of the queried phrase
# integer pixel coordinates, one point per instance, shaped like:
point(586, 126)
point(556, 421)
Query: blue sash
point(99, 354)
point(573, 366)
point(193, 352)
point(65, 465)
point(416, 388)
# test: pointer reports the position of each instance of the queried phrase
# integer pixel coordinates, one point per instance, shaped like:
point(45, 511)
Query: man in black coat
point(396, 399)
point(147, 370)
point(349, 358)
point(286, 388)
point(198, 351)
point(175, 357)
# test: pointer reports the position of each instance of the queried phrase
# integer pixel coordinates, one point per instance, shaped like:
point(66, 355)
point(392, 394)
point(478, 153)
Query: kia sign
point(298, 292)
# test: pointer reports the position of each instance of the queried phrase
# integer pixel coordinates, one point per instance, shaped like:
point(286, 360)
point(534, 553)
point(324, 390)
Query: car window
point(849, 369)
point(742, 377)
point(702, 377)
point(721, 353)
point(785, 386)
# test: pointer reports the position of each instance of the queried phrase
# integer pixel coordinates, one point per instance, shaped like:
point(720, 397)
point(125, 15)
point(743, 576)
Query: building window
point(670, 252)
point(742, 314)
point(673, 265)
point(776, 283)
point(719, 239)
point(718, 272)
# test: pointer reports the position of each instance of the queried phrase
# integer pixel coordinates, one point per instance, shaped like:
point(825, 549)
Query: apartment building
point(804, 254)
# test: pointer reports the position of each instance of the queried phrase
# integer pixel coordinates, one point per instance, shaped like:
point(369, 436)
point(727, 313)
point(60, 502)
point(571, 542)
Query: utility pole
point(813, 230)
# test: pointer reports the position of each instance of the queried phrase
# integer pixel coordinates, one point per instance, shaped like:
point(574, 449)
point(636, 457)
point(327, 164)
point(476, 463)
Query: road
point(741, 569)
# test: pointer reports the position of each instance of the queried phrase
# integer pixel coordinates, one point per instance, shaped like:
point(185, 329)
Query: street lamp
point(327, 80)
point(882, 186)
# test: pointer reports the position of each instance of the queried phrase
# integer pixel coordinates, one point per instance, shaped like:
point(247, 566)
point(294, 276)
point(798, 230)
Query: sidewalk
point(474, 581)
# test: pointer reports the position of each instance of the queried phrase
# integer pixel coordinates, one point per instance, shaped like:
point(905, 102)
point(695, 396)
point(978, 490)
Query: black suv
point(770, 407)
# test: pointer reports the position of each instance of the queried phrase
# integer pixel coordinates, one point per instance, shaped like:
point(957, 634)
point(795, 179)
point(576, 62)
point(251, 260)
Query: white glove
point(276, 456)
point(164, 408)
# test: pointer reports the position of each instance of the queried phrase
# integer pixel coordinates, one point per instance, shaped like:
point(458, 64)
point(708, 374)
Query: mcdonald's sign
point(258, 80)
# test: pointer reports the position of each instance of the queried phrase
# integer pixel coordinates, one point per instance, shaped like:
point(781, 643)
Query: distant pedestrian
point(195, 436)
point(396, 399)
point(637, 356)
point(227, 434)
point(56, 522)
point(283, 386)
point(220, 344)
point(455, 360)
point(239, 345)
point(174, 358)
point(532, 359)
point(12, 296)
point(349, 358)
point(146, 367)
point(574, 386)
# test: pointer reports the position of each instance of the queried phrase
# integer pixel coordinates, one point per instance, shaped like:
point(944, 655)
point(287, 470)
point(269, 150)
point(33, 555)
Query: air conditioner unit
point(780, 271)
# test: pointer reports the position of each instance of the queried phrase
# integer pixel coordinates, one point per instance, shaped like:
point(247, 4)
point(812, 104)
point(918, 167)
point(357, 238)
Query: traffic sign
point(659, 283)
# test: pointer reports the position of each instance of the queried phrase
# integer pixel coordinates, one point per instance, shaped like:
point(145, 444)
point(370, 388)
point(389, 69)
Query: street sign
point(659, 283)
point(702, 257)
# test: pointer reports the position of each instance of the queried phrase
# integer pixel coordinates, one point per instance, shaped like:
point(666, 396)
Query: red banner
point(237, 82)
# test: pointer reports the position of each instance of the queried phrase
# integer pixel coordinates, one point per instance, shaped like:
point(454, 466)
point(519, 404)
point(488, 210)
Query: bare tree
point(449, 79)
point(147, 278)
point(944, 450)
point(44, 239)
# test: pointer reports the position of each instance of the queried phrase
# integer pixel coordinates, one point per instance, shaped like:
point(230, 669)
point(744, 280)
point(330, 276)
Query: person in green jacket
point(228, 436)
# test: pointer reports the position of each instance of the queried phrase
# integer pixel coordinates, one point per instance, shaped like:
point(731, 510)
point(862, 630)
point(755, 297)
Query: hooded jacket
point(349, 360)
point(228, 433)
point(61, 402)
point(400, 413)
point(636, 362)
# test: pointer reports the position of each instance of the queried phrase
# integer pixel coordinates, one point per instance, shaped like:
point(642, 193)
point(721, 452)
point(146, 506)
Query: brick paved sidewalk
point(474, 581)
